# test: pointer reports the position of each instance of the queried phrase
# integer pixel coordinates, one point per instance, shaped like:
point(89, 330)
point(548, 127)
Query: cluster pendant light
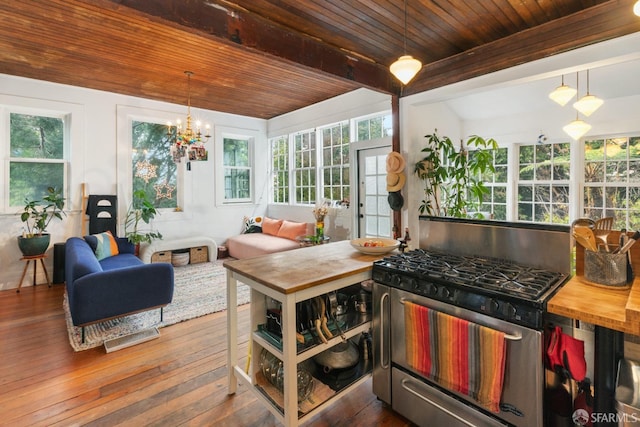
point(586, 105)
point(406, 67)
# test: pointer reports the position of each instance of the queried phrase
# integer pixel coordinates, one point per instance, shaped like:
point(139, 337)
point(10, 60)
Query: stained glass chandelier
point(187, 141)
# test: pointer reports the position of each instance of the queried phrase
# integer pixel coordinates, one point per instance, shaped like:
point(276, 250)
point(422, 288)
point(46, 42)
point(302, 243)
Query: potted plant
point(453, 178)
point(36, 215)
point(140, 211)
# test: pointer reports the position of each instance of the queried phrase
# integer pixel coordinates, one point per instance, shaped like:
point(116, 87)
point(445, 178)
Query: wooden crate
point(199, 254)
point(164, 256)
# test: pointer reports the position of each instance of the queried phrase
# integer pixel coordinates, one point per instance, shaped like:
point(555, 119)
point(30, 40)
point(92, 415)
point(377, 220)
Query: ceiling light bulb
point(577, 128)
point(636, 8)
point(588, 104)
point(563, 94)
point(405, 68)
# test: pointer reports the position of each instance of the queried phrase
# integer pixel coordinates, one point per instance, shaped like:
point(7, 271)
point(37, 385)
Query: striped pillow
point(106, 245)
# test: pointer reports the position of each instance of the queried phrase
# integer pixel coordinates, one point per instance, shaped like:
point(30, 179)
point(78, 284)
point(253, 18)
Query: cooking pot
point(340, 356)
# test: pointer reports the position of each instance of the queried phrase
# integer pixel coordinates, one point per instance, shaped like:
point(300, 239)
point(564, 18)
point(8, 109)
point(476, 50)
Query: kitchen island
point(289, 277)
point(613, 312)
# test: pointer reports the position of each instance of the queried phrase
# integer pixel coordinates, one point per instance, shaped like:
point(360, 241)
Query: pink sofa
point(276, 236)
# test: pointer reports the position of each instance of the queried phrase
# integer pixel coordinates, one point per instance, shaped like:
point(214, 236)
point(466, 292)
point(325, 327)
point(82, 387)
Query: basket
point(605, 268)
point(178, 259)
point(199, 254)
point(164, 256)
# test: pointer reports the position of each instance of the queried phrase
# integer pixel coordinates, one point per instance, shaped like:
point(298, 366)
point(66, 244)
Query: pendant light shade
point(405, 68)
point(588, 104)
point(636, 8)
point(563, 94)
point(577, 128)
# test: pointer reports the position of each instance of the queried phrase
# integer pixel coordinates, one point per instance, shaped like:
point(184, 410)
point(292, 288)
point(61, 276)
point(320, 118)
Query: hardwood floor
point(179, 379)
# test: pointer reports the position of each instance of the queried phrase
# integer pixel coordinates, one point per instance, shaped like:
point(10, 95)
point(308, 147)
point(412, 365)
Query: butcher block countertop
point(292, 271)
point(617, 309)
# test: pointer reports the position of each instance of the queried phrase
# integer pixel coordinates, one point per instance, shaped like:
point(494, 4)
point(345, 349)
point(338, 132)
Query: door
point(375, 217)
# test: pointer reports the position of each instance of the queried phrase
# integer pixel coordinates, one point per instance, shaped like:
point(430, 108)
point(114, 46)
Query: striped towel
point(459, 355)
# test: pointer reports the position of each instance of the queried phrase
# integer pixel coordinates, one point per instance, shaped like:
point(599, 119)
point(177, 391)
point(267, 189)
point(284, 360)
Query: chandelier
point(187, 141)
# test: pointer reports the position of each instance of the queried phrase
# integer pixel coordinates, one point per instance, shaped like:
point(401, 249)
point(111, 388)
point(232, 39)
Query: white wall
point(95, 161)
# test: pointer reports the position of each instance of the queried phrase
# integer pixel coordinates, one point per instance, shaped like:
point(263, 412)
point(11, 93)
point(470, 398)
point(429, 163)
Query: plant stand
point(35, 259)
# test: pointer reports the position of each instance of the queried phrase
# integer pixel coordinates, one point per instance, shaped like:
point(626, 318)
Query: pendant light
point(636, 8)
point(577, 128)
point(563, 93)
point(588, 104)
point(406, 67)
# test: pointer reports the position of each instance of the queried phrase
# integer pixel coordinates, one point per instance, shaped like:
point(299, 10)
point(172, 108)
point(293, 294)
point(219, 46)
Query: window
point(612, 180)
point(335, 162)
point(305, 167)
point(375, 127)
point(543, 186)
point(280, 169)
point(154, 170)
point(496, 200)
point(237, 170)
point(37, 156)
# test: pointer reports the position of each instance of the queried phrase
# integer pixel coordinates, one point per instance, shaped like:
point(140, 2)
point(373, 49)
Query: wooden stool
point(35, 259)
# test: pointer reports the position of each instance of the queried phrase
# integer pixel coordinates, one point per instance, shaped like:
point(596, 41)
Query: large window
point(37, 156)
point(280, 169)
point(237, 169)
point(612, 180)
point(154, 170)
point(335, 162)
point(543, 183)
point(495, 201)
point(374, 127)
point(305, 167)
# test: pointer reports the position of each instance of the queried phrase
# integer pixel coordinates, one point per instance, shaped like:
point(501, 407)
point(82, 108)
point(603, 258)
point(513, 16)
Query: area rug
point(200, 289)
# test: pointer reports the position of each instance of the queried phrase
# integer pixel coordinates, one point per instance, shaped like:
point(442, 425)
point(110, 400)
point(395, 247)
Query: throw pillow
point(252, 225)
point(271, 226)
point(106, 245)
point(291, 230)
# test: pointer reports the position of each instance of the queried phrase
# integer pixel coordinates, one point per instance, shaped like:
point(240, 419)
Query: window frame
point(220, 134)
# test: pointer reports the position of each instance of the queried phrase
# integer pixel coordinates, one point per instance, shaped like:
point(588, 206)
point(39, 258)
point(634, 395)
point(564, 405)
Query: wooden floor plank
point(179, 379)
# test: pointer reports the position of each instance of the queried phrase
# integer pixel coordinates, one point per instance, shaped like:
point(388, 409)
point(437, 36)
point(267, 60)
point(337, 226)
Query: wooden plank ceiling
point(263, 58)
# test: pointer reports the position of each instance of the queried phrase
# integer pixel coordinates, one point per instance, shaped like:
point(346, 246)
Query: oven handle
point(507, 336)
point(384, 364)
point(405, 385)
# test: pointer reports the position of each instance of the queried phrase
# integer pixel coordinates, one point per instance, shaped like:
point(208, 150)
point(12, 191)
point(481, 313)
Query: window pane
point(36, 137)
point(236, 184)
point(154, 170)
point(236, 152)
point(31, 180)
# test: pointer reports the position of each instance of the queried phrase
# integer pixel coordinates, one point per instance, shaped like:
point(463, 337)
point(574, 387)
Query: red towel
point(459, 355)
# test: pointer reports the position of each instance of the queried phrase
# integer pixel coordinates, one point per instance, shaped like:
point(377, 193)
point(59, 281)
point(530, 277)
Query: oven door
point(522, 393)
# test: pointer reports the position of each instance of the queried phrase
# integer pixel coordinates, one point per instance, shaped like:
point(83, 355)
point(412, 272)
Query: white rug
point(199, 289)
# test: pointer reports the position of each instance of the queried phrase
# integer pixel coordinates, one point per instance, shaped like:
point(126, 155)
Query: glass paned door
point(375, 217)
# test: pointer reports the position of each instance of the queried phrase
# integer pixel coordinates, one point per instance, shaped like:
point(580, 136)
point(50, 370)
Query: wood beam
point(226, 23)
point(599, 23)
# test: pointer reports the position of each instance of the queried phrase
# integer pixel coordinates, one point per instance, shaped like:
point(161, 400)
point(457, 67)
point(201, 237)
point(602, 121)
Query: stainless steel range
point(489, 274)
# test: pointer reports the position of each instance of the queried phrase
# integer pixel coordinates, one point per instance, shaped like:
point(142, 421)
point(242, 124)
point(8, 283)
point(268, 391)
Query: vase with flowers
point(319, 212)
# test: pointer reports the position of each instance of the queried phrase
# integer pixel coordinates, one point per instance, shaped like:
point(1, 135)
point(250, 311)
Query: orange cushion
point(271, 226)
point(290, 230)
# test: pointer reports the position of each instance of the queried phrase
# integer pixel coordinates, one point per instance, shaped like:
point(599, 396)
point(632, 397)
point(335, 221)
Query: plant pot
point(36, 245)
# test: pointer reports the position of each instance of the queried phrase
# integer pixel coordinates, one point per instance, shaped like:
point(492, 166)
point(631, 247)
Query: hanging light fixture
point(588, 104)
point(186, 139)
point(636, 8)
point(406, 67)
point(563, 93)
point(577, 128)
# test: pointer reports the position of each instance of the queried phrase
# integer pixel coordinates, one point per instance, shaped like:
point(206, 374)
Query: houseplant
point(36, 215)
point(452, 178)
point(140, 211)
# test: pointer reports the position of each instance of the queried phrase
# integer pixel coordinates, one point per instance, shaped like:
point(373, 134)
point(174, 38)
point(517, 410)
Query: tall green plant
point(141, 210)
point(453, 184)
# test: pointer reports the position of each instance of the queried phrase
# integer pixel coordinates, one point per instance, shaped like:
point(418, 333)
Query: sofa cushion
point(252, 224)
point(271, 226)
point(106, 245)
point(291, 230)
point(256, 244)
point(120, 261)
